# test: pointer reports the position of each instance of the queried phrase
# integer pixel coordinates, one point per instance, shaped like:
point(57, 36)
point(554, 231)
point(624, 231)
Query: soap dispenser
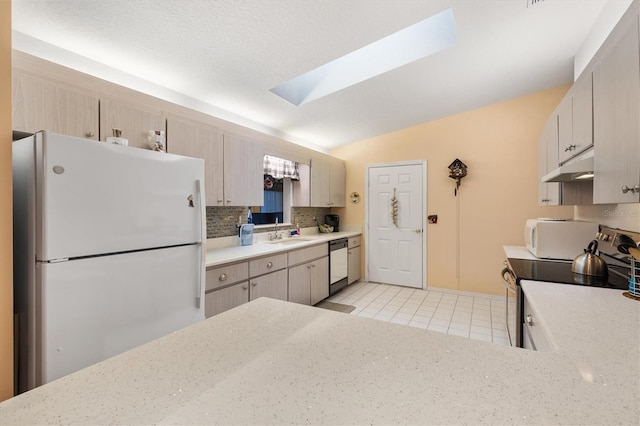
point(246, 234)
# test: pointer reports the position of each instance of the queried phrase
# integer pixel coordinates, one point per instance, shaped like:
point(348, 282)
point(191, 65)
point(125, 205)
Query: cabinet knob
point(635, 189)
point(529, 319)
point(222, 277)
point(220, 200)
point(269, 265)
point(254, 283)
point(244, 287)
point(89, 134)
point(228, 200)
point(313, 265)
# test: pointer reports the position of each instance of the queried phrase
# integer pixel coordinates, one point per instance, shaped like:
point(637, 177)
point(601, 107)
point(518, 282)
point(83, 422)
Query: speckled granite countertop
point(275, 362)
point(219, 256)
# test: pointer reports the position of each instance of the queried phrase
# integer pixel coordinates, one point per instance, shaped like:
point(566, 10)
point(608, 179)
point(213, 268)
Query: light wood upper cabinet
point(40, 104)
point(243, 172)
point(565, 145)
point(582, 96)
point(327, 183)
point(135, 121)
point(575, 119)
point(548, 193)
point(616, 97)
point(186, 137)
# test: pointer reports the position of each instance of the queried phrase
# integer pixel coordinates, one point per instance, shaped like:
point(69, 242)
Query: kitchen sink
point(289, 241)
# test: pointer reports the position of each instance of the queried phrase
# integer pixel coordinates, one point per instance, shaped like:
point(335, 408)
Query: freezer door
point(92, 309)
point(96, 198)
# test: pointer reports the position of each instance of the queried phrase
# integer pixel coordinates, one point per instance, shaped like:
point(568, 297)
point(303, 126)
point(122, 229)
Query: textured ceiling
point(229, 53)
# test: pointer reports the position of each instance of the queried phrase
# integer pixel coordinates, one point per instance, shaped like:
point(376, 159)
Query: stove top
point(560, 272)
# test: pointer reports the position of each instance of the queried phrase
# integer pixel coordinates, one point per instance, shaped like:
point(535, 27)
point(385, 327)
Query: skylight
point(393, 51)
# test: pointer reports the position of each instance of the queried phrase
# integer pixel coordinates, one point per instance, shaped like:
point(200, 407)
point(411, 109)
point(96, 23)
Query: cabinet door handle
point(254, 283)
point(220, 200)
point(269, 265)
point(228, 200)
point(244, 287)
point(633, 190)
point(313, 265)
point(529, 319)
point(569, 148)
point(222, 277)
point(89, 134)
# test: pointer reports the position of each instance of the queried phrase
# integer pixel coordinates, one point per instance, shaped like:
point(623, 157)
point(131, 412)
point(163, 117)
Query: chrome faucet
point(275, 235)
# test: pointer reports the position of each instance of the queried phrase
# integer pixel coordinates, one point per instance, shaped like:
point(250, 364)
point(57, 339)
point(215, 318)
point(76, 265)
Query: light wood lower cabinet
point(273, 285)
point(228, 286)
point(309, 282)
point(226, 298)
point(353, 271)
point(534, 336)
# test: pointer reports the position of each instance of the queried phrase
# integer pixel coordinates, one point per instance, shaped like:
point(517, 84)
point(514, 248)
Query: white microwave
point(558, 239)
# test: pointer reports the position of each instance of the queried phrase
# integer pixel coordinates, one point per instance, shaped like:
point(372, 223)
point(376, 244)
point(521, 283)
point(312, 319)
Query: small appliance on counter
point(558, 238)
point(333, 220)
point(246, 234)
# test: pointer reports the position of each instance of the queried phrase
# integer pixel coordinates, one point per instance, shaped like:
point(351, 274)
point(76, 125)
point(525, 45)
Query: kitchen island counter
point(275, 362)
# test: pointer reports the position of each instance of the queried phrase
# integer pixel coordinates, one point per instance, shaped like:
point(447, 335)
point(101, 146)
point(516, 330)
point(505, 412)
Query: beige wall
point(499, 145)
point(6, 264)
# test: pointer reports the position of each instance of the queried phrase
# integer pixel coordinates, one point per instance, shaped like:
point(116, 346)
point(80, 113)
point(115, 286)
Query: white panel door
point(98, 198)
point(95, 308)
point(395, 250)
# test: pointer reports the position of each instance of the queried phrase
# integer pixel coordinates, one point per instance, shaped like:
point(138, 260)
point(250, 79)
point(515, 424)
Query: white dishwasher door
point(339, 261)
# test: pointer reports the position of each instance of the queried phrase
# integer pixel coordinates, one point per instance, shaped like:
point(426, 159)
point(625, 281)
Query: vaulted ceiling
point(227, 54)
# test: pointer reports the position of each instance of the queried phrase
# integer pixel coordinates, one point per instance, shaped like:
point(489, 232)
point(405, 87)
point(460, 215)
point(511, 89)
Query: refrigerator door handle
point(203, 241)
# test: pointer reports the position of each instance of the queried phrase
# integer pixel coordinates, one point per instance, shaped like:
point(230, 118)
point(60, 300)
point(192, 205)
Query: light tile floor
point(472, 315)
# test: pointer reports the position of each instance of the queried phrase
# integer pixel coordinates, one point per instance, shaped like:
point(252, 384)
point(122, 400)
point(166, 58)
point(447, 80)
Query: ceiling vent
point(533, 2)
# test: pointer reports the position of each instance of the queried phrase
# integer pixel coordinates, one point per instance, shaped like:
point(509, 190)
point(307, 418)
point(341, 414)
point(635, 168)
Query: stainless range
point(611, 250)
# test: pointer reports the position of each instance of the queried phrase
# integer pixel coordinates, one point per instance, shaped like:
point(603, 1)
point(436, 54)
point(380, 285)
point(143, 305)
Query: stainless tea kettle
point(589, 263)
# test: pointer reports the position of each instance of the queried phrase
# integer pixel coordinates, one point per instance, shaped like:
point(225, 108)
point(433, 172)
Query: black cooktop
point(560, 272)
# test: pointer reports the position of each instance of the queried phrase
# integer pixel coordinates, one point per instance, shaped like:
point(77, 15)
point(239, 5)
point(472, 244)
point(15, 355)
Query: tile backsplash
point(222, 221)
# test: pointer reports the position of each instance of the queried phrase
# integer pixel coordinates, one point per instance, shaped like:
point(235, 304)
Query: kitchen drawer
point(354, 242)
point(224, 275)
point(309, 253)
point(267, 264)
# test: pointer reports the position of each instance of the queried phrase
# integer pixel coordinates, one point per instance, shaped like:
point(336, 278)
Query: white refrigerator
point(109, 250)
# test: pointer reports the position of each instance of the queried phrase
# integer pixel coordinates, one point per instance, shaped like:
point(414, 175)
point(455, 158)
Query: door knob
point(418, 230)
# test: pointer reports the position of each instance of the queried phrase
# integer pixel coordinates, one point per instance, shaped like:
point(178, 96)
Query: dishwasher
point(338, 265)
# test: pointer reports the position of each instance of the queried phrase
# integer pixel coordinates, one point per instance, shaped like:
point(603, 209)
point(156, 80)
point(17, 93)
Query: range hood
point(576, 169)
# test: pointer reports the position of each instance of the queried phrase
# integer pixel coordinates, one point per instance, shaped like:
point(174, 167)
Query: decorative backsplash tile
point(222, 221)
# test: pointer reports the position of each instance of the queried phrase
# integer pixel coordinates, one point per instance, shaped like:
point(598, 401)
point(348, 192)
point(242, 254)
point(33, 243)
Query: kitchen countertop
point(519, 252)
point(219, 256)
point(275, 362)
